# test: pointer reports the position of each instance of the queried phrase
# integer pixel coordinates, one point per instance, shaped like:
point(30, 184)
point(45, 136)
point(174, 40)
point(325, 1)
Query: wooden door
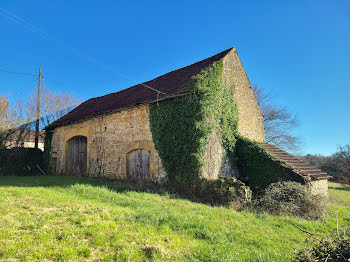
point(138, 166)
point(77, 156)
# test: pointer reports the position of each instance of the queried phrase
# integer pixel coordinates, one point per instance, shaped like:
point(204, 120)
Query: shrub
point(337, 249)
point(327, 247)
point(20, 161)
point(227, 191)
point(291, 198)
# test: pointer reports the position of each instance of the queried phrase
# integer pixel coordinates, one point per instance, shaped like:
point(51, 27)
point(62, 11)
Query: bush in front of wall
point(20, 161)
point(291, 198)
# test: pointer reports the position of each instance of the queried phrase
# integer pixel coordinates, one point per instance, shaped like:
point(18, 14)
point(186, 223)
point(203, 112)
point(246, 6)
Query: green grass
point(75, 219)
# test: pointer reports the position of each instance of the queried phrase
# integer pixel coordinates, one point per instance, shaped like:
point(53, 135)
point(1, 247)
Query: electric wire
point(15, 18)
point(17, 73)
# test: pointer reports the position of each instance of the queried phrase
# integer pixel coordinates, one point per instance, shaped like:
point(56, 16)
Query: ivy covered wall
point(47, 151)
point(196, 134)
point(181, 127)
point(258, 168)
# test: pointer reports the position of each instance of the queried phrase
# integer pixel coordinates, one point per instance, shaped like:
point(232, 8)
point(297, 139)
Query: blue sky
point(298, 50)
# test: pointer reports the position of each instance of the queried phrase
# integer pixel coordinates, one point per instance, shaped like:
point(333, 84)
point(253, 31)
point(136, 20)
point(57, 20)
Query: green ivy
point(181, 126)
point(47, 151)
point(258, 166)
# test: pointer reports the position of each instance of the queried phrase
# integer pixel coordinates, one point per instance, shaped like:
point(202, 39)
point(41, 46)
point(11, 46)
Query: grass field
point(75, 219)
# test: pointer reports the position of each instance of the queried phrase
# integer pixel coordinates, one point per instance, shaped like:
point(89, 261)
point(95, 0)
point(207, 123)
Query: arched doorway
point(138, 165)
point(77, 156)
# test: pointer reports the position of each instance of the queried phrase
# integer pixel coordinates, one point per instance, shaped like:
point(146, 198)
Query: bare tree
point(5, 123)
point(53, 105)
point(279, 123)
point(4, 113)
point(11, 122)
point(17, 120)
point(10, 115)
point(342, 159)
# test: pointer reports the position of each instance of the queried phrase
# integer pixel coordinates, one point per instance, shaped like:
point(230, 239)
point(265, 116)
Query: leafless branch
point(279, 123)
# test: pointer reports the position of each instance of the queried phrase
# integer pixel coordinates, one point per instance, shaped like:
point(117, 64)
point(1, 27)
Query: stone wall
point(319, 187)
point(217, 163)
point(109, 139)
point(250, 123)
point(225, 190)
point(214, 157)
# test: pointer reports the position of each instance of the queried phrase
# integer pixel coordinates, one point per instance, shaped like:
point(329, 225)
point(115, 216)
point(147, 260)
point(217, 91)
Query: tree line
point(337, 165)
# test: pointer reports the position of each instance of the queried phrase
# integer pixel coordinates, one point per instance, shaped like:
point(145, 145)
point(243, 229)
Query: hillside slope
point(66, 218)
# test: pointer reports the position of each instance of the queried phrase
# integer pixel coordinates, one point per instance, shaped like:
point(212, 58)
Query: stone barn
point(137, 133)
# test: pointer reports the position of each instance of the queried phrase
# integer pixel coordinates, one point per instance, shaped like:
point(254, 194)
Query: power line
point(21, 90)
point(15, 18)
point(16, 73)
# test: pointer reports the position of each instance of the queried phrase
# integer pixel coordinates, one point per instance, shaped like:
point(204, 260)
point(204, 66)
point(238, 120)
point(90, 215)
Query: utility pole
point(38, 112)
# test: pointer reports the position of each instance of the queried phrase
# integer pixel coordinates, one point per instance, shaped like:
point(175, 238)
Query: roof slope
point(171, 84)
point(296, 164)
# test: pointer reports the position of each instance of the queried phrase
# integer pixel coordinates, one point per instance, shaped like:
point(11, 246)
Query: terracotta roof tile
point(171, 84)
point(296, 164)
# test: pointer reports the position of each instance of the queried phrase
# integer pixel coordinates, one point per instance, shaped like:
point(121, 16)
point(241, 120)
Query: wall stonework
point(216, 161)
point(319, 187)
point(213, 156)
point(110, 138)
point(250, 122)
point(250, 119)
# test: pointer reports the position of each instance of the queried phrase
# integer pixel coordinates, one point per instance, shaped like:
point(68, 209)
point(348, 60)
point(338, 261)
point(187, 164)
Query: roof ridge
point(170, 83)
point(296, 164)
point(181, 68)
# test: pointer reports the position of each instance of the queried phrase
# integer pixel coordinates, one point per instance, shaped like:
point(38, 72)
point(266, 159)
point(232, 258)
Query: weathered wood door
point(77, 156)
point(138, 165)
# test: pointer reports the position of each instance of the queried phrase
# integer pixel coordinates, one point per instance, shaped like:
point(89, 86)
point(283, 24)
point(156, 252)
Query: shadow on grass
point(340, 188)
point(118, 186)
point(66, 181)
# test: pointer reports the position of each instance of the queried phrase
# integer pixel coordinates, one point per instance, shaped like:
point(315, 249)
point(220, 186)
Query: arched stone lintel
point(143, 145)
point(77, 132)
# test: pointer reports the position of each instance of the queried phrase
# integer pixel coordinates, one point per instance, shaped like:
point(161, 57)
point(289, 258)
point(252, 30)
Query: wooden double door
point(77, 156)
point(138, 165)
point(138, 161)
